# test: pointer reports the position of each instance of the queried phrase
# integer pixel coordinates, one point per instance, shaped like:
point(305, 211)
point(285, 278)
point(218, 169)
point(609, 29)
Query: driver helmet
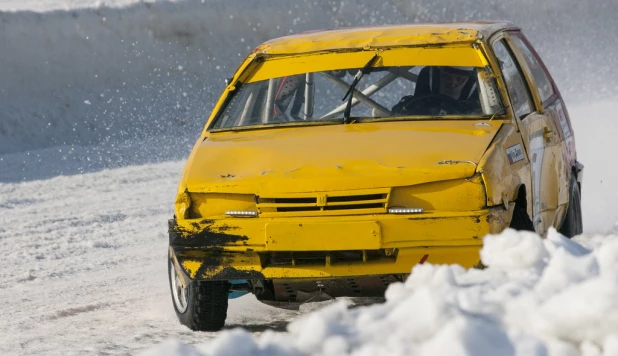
point(453, 80)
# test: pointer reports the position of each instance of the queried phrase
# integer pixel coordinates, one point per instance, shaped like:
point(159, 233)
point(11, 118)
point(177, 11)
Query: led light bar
point(242, 213)
point(405, 210)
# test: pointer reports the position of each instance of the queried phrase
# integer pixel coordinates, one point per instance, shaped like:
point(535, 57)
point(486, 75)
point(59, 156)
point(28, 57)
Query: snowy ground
point(84, 265)
point(99, 106)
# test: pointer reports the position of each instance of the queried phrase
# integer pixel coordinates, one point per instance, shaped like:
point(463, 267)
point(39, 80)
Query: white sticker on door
point(515, 153)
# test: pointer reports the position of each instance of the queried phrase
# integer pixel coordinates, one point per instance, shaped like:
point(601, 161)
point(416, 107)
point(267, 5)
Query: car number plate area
point(334, 236)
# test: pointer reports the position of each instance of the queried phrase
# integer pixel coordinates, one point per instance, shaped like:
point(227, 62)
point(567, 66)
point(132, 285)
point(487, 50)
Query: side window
point(541, 77)
point(516, 85)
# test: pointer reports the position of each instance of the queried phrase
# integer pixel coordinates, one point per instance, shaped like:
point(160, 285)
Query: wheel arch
point(520, 218)
point(520, 198)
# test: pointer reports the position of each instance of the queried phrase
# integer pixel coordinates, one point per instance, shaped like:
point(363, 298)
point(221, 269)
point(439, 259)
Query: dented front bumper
point(327, 247)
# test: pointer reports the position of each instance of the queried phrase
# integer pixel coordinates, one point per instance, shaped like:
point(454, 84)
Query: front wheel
point(573, 223)
point(202, 305)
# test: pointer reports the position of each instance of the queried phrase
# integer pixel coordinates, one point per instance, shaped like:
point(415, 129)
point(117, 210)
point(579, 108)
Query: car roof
point(383, 36)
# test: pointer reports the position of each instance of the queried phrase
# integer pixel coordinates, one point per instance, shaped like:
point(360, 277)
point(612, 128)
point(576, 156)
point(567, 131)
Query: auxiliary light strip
point(242, 213)
point(405, 210)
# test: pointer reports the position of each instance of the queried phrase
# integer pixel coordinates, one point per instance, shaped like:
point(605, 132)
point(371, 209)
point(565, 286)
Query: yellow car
point(336, 160)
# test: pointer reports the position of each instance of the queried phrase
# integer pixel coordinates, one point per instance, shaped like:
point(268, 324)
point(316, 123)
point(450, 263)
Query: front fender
point(505, 167)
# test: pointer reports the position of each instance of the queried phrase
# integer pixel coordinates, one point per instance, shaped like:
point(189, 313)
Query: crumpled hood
point(337, 157)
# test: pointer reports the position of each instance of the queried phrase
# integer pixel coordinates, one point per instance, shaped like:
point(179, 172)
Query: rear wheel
point(202, 306)
point(573, 224)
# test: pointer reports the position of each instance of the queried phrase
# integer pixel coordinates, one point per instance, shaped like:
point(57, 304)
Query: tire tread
point(210, 305)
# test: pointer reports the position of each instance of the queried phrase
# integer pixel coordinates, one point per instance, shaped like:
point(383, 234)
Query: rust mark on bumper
point(218, 266)
point(230, 273)
point(206, 237)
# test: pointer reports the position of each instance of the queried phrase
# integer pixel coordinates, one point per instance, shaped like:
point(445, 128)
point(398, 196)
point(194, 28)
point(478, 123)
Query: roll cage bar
point(363, 96)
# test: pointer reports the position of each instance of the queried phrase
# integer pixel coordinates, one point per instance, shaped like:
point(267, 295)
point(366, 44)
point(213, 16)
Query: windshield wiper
point(349, 94)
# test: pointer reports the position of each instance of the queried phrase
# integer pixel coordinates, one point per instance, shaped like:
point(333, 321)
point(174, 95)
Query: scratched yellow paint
point(278, 66)
point(280, 56)
point(234, 162)
point(433, 228)
point(462, 201)
point(466, 256)
point(375, 37)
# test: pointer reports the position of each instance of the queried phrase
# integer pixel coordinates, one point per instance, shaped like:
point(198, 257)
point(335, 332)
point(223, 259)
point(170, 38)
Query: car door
point(550, 102)
point(538, 134)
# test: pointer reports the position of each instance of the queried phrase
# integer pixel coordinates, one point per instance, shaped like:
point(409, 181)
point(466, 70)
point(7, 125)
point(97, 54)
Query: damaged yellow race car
point(337, 160)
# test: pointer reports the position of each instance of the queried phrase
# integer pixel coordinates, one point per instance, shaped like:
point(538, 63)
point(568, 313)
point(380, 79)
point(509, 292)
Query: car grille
point(331, 203)
point(326, 258)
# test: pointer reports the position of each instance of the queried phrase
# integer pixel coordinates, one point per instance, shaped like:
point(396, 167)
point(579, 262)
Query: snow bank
point(550, 296)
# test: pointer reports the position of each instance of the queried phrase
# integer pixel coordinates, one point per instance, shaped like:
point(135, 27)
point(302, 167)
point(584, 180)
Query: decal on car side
point(515, 153)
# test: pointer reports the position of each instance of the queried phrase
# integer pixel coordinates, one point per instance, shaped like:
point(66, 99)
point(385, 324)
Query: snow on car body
point(446, 132)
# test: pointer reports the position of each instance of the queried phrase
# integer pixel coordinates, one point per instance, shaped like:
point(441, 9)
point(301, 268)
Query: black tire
point(206, 304)
point(520, 219)
point(573, 224)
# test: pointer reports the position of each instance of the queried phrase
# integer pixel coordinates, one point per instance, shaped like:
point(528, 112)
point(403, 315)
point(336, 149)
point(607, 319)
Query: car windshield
point(383, 93)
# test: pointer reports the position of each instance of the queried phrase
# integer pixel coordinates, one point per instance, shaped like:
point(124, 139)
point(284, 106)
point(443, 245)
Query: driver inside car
point(289, 91)
point(442, 91)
